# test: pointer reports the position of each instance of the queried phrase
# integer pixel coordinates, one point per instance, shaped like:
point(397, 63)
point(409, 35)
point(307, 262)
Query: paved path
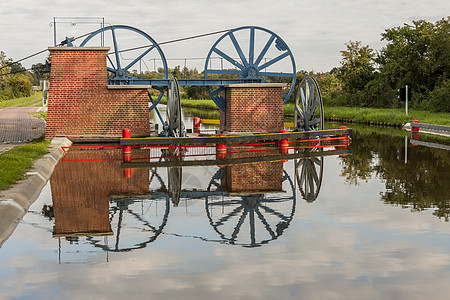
point(18, 125)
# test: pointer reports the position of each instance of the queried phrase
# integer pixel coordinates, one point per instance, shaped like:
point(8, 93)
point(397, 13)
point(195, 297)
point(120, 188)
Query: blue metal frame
point(251, 70)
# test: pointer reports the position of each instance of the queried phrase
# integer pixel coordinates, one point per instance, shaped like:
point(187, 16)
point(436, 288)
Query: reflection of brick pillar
point(81, 190)
point(81, 103)
point(256, 107)
point(254, 177)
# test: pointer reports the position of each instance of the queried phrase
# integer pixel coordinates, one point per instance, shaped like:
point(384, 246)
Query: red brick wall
point(80, 103)
point(253, 109)
point(259, 176)
point(81, 189)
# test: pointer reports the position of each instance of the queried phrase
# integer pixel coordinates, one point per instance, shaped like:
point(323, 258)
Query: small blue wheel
point(267, 56)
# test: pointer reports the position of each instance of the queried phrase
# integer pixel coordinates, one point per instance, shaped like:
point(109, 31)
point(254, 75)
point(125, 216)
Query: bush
point(20, 85)
point(438, 99)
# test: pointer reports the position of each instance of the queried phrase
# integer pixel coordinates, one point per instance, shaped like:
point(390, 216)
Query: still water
point(369, 225)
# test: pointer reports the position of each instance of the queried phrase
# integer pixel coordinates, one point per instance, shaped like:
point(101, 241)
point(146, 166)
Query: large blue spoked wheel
point(252, 54)
point(131, 49)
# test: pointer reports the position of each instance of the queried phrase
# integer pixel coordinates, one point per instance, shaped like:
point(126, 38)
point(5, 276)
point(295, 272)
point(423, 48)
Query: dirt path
point(18, 125)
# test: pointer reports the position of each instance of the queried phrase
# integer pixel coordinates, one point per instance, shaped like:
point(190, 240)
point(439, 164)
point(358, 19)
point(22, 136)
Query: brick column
point(255, 107)
point(80, 102)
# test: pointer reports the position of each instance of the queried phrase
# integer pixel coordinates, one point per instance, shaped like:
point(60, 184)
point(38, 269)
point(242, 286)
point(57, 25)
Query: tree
point(417, 55)
point(20, 85)
point(357, 67)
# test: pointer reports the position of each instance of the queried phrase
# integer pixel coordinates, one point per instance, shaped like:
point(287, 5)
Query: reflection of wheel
point(308, 106)
point(265, 216)
point(121, 62)
point(136, 220)
point(267, 55)
point(174, 178)
point(173, 112)
point(309, 172)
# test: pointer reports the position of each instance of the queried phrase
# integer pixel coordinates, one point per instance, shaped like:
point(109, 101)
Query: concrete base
point(14, 203)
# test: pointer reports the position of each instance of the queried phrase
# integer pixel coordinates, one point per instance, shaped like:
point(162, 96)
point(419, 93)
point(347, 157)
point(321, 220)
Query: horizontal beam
point(181, 82)
point(431, 126)
point(230, 139)
point(232, 161)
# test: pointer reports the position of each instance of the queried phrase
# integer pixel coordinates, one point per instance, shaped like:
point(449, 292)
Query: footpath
point(18, 125)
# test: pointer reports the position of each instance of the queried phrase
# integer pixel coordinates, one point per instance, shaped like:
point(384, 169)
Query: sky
point(315, 31)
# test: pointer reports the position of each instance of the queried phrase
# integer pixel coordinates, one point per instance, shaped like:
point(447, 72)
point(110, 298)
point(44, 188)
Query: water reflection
point(243, 215)
point(246, 204)
point(415, 177)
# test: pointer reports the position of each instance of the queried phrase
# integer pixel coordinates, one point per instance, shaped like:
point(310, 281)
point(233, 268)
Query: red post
point(345, 140)
point(221, 149)
point(415, 131)
point(283, 144)
point(126, 151)
point(197, 122)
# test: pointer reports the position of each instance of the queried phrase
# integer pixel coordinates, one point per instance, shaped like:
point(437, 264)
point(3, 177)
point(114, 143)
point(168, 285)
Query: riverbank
point(375, 116)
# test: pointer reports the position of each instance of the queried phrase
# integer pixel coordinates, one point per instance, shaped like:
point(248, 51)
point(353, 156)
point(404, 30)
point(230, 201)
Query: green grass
point(17, 161)
point(36, 103)
point(377, 115)
point(197, 103)
point(394, 117)
point(21, 101)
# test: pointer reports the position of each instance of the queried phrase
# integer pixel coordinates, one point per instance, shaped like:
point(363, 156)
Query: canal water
point(370, 224)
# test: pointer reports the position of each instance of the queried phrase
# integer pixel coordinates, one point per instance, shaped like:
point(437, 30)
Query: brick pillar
point(255, 107)
point(81, 103)
point(254, 177)
point(81, 190)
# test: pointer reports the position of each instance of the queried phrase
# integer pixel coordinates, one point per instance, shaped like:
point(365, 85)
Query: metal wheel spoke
point(229, 59)
point(112, 64)
point(275, 213)
point(227, 217)
point(272, 61)
point(238, 49)
point(316, 161)
point(265, 223)
point(239, 225)
point(139, 58)
point(313, 173)
point(299, 111)
point(227, 72)
point(264, 50)
point(276, 74)
point(314, 121)
point(251, 51)
point(111, 70)
point(116, 49)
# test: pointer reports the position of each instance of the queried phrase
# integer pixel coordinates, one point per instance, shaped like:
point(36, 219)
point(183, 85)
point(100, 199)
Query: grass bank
point(393, 117)
point(17, 161)
point(24, 101)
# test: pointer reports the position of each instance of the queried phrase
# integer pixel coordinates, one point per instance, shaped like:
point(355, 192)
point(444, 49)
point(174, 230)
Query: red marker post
point(197, 122)
point(283, 144)
point(126, 152)
point(221, 149)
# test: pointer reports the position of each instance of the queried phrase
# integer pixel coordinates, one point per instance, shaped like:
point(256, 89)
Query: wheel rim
point(173, 112)
point(308, 113)
point(252, 67)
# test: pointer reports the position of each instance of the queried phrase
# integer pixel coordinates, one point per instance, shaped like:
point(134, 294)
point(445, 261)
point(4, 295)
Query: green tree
point(417, 55)
point(20, 85)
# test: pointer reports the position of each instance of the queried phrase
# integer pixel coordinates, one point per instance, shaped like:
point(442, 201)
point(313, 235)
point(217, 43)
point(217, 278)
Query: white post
point(406, 97)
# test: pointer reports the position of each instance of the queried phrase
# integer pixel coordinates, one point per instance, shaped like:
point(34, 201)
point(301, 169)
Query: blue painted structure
point(250, 68)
